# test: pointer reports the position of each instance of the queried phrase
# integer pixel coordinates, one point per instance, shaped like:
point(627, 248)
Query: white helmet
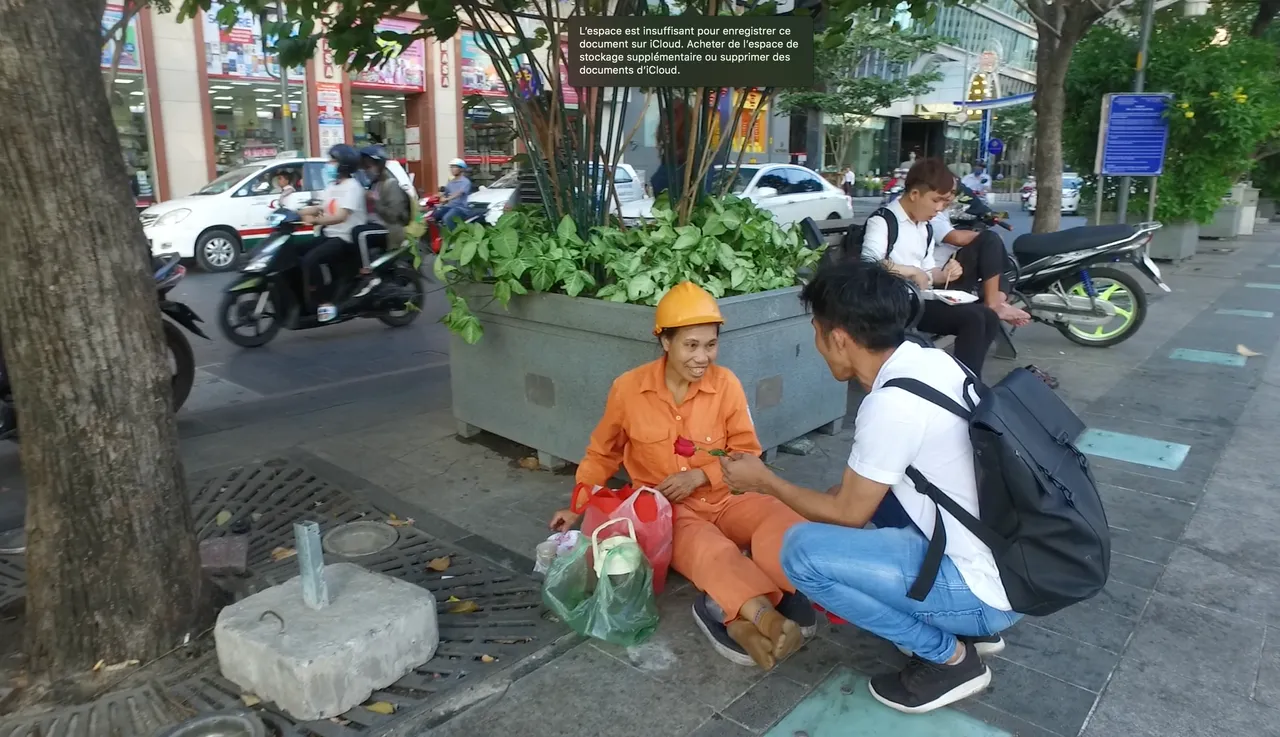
point(458, 163)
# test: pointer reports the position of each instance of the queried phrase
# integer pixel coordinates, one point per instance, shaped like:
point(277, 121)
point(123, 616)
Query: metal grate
point(13, 580)
point(507, 623)
point(133, 713)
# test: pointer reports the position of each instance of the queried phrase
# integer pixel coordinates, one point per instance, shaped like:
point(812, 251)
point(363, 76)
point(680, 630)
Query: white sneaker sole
point(983, 648)
point(729, 654)
point(959, 693)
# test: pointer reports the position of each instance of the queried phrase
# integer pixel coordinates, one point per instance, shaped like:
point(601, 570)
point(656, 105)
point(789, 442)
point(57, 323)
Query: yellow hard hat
point(684, 305)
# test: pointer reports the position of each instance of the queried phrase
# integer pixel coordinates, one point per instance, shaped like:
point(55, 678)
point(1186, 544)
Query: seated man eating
point(860, 311)
point(749, 610)
point(912, 254)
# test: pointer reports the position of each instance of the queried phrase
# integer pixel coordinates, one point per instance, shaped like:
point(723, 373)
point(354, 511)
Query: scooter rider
point(344, 209)
point(453, 205)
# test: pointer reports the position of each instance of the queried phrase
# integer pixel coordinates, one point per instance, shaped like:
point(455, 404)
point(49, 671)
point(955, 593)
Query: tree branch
point(1040, 22)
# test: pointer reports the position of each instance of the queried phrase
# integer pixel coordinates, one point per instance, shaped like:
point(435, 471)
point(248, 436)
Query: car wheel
point(834, 216)
point(218, 250)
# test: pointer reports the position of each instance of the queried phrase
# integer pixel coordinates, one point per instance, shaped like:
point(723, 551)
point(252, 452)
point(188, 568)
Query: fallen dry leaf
point(249, 699)
point(439, 564)
point(340, 721)
point(282, 553)
point(464, 607)
point(397, 522)
point(381, 707)
point(453, 598)
point(256, 516)
point(488, 659)
point(121, 666)
point(530, 463)
point(98, 665)
point(223, 518)
point(1245, 351)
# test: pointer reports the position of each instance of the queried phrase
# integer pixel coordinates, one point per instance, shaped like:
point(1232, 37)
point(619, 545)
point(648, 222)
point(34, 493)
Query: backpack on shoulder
point(851, 243)
point(1039, 508)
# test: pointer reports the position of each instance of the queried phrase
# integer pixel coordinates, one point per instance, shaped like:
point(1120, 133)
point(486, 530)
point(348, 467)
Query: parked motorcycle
point(1067, 279)
point(182, 360)
point(269, 296)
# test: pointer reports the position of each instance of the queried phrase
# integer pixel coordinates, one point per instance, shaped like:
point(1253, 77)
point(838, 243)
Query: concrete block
point(316, 664)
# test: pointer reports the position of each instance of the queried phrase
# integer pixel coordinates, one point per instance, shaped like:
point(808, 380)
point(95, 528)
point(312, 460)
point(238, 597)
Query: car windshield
point(740, 181)
point(1070, 181)
point(506, 181)
point(228, 180)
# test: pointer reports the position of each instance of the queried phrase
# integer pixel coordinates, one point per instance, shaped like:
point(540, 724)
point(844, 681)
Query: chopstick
point(947, 283)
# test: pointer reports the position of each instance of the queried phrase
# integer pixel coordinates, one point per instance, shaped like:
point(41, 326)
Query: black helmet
point(375, 153)
point(347, 158)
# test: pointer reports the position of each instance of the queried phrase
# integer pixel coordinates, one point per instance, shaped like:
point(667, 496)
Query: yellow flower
point(1189, 114)
point(1213, 94)
point(1184, 105)
point(1242, 98)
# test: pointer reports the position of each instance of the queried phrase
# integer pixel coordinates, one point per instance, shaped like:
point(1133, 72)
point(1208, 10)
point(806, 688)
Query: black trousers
point(983, 259)
point(974, 326)
point(321, 253)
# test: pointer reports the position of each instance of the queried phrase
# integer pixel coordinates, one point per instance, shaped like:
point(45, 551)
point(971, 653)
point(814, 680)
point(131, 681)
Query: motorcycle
point(431, 239)
point(1067, 279)
point(167, 274)
point(269, 294)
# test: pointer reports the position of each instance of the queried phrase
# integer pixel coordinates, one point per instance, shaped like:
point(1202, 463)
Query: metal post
point(1139, 85)
point(1097, 200)
point(1151, 200)
point(315, 591)
point(286, 112)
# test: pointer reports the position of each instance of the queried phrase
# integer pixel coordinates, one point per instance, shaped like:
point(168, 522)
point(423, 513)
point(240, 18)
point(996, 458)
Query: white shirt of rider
point(345, 194)
point(977, 181)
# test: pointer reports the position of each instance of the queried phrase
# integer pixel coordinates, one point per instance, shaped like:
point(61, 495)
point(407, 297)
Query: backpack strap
point(928, 244)
point(933, 396)
point(891, 224)
point(938, 540)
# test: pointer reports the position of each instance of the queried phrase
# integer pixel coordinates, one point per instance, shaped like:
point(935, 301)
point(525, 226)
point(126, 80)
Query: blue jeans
point(863, 576)
point(450, 215)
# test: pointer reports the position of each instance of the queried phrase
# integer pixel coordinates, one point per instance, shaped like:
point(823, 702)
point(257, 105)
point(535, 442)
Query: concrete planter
point(542, 372)
point(1175, 242)
point(1266, 208)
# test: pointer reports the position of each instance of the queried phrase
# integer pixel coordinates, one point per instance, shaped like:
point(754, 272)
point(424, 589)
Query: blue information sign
point(1133, 136)
point(995, 147)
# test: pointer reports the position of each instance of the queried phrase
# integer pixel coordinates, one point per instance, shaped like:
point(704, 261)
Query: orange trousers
point(707, 542)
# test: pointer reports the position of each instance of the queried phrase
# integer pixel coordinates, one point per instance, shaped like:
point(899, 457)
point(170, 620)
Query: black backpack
point(851, 243)
point(1038, 502)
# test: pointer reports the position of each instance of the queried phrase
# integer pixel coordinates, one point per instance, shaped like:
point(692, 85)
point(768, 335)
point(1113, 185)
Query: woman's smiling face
point(692, 350)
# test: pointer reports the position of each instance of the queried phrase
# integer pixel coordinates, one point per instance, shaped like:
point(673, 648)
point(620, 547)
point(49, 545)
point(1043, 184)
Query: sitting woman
point(749, 610)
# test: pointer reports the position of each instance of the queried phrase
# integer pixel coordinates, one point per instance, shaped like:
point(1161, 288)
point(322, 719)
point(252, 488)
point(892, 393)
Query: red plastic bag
point(646, 508)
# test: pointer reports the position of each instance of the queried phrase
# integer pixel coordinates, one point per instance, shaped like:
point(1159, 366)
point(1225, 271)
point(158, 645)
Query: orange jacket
point(641, 424)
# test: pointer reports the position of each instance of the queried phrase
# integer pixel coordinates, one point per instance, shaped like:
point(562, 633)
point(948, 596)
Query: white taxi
point(228, 216)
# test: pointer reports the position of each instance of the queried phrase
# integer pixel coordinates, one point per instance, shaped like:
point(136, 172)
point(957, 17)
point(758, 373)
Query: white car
point(1070, 195)
point(229, 215)
point(792, 193)
point(497, 196)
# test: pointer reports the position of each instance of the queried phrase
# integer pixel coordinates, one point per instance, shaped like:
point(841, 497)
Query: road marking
point(1262, 285)
point(1247, 313)
point(1134, 449)
point(1214, 357)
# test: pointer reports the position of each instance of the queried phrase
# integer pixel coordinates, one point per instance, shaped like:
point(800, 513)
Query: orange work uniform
point(711, 526)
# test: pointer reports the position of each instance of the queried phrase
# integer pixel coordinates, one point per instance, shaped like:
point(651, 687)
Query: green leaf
point(689, 237)
point(543, 276)
point(442, 269)
point(574, 284)
point(471, 331)
point(517, 287)
point(502, 291)
point(467, 253)
point(503, 242)
point(738, 276)
point(640, 286)
point(566, 228)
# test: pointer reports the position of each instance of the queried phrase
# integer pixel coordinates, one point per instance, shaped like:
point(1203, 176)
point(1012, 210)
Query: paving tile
point(1145, 700)
point(1267, 689)
point(1145, 514)
point(1195, 578)
point(1062, 657)
point(1198, 644)
point(610, 698)
point(1134, 571)
point(767, 702)
point(1090, 624)
point(1245, 539)
point(1242, 488)
point(1132, 478)
point(718, 726)
point(814, 662)
point(1143, 547)
point(1121, 598)
point(868, 653)
point(679, 654)
point(1037, 698)
point(990, 715)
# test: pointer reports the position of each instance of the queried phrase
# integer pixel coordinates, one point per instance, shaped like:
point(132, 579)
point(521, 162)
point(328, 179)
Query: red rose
point(685, 447)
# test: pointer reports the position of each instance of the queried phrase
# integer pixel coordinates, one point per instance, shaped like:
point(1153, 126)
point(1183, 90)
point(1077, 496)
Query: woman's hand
point(677, 486)
point(564, 520)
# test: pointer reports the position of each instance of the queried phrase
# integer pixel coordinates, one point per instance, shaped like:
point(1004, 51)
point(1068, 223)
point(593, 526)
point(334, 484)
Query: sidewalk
point(1178, 644)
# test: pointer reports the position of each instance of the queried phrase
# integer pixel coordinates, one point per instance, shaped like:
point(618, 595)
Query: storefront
point(488, 130)
point(129, 106)
point(246, 95)
point(380, 97)
point(865, 147)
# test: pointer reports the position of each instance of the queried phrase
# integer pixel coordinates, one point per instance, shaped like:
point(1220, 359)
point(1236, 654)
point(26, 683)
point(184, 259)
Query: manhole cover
point(13, 542)
point(356, 539)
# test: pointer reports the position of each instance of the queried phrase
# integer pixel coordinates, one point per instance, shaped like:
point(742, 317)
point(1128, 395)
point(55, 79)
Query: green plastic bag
point(619, 609)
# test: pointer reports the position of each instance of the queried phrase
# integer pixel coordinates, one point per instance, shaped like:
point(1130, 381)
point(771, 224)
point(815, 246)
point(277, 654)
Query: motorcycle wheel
point(230, 318)
point(405, 276)
point(184, 363)
point(1124, 293)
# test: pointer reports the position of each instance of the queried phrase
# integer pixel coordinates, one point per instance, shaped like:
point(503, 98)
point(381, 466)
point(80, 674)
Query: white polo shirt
point(895, 429)
point(911, 249)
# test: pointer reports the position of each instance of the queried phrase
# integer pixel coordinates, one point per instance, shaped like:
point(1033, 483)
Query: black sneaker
point(707, 614)
point(984, 644)
point(923, 686)
point(799, 609)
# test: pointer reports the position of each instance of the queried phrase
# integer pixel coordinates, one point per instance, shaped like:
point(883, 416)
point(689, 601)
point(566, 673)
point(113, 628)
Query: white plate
point(951, 296)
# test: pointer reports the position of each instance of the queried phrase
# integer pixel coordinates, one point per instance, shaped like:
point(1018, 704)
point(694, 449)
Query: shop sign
point(130, 59)
point(479, 72)
point(405, 69)
point(237, 53)
point(252, 153)
point(329, 115)
point(446, 72)
point(748, 137)
point(326, 58)
point(567, 93)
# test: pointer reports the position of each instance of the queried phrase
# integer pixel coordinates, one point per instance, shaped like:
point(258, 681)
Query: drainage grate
point(505, 626)
point(13, 580)
point(135, 712)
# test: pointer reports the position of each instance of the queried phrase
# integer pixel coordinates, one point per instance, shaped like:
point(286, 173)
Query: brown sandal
point(758, 646)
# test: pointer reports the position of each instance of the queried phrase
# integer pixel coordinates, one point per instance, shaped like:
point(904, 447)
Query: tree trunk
point(1052, 57)
point(1267, 11)
point(113, 570)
